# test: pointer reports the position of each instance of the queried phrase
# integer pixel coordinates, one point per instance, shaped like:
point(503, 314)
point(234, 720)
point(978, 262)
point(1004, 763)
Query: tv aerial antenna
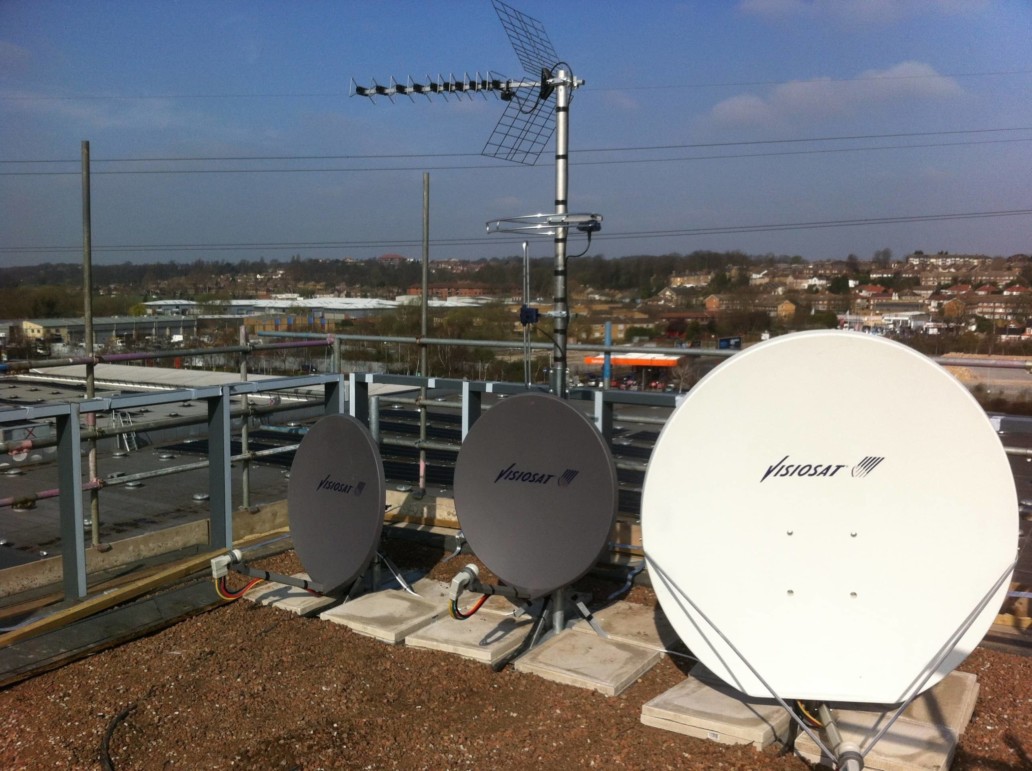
point(535, 109)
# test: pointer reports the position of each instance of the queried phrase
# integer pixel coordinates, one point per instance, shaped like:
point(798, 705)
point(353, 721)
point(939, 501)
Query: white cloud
point(853, 12)
point(907, 83)
point(620, 100)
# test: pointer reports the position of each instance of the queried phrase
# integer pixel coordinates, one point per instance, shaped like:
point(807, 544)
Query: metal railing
point(69, 436)
point(353, 393)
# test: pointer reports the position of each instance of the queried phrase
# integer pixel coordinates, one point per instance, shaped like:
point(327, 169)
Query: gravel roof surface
point(253, 687)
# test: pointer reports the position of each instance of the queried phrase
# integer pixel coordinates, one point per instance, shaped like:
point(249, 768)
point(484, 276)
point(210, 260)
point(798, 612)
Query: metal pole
point(561, 311)
point(526, 327)
point(69, 474)
point(423, 330)
point(220, 481)
point(87, 310)
point(245, 468)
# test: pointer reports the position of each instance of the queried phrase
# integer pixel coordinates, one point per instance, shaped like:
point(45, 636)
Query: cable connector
point(462, 580)
point(220, 565)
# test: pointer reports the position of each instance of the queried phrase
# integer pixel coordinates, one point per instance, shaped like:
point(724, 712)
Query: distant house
point(786, 310)
point(691, 279)
point(676, 296)
point(871, 290)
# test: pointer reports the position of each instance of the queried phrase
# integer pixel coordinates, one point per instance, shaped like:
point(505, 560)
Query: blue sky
point(751, 125)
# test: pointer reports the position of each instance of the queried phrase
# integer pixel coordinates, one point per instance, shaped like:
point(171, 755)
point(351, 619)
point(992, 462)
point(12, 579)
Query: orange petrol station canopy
point(635, 360)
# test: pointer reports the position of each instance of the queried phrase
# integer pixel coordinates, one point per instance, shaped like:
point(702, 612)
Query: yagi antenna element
point(529, 119)
point(535, 110)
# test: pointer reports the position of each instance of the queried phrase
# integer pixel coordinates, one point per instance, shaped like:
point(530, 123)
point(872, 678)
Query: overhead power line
point(624, 236)
point(494, 167)
point(582, 151)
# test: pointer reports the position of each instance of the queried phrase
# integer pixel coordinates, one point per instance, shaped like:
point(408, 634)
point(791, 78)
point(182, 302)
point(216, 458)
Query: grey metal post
point(337, 360)
point(374, 418)
point(245, 469)
point(87, 310)
point(558, 610)
point(423, 331)
point(359, 397)
point(220, 481)
point(607, 357)
point(472, 402)
point(604, 416)
point(69, 472)
point(561, 311)
point(527, 357)
point(334, 397)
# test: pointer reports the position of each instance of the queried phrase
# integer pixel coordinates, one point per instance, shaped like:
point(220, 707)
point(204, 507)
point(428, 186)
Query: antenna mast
point(527, 123)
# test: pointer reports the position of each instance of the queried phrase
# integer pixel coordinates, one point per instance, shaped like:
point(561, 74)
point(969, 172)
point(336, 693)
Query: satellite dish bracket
point(556, 605)
point(843, 752)
point(546, 223)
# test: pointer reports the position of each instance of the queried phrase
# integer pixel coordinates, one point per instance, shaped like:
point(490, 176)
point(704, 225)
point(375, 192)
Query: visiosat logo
point(333, 486)
point(866, 466)
point(514, 474)
point(783, 468)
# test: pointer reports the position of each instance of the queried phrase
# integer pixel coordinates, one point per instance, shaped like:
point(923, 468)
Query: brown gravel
point(256, 688)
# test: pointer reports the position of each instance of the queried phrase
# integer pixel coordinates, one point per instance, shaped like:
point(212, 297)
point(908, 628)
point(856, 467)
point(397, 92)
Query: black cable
point(629, 235)
point(644, 148)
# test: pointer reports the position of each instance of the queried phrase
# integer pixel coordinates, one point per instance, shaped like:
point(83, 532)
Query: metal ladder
point(128, 439)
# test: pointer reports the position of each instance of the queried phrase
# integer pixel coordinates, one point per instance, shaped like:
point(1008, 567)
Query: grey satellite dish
point(535, 492)
point(830, 516)
point(335, 501)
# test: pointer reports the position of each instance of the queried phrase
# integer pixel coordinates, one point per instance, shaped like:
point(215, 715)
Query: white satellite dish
point(830, 516)
point(536, 492)
point(335, 501)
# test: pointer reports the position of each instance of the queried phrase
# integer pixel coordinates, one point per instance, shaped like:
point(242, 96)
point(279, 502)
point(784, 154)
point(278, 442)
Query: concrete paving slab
point(908, 746)
point(389, 615)
point(588, 661)
point(289, 598)
point(635, 624)
point(950, 703)
point(943, 710)
point(716, 711)
point(488, 638)
point(435, 591)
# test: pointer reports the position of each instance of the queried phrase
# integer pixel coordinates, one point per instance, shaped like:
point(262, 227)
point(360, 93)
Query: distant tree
point(639, 332)
point(839, 285)
point(685, 373)
point(820, 320)
point(882, 257)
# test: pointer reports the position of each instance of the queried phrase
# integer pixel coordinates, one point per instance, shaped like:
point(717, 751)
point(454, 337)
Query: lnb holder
point(546, 223)
point(529, 315)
